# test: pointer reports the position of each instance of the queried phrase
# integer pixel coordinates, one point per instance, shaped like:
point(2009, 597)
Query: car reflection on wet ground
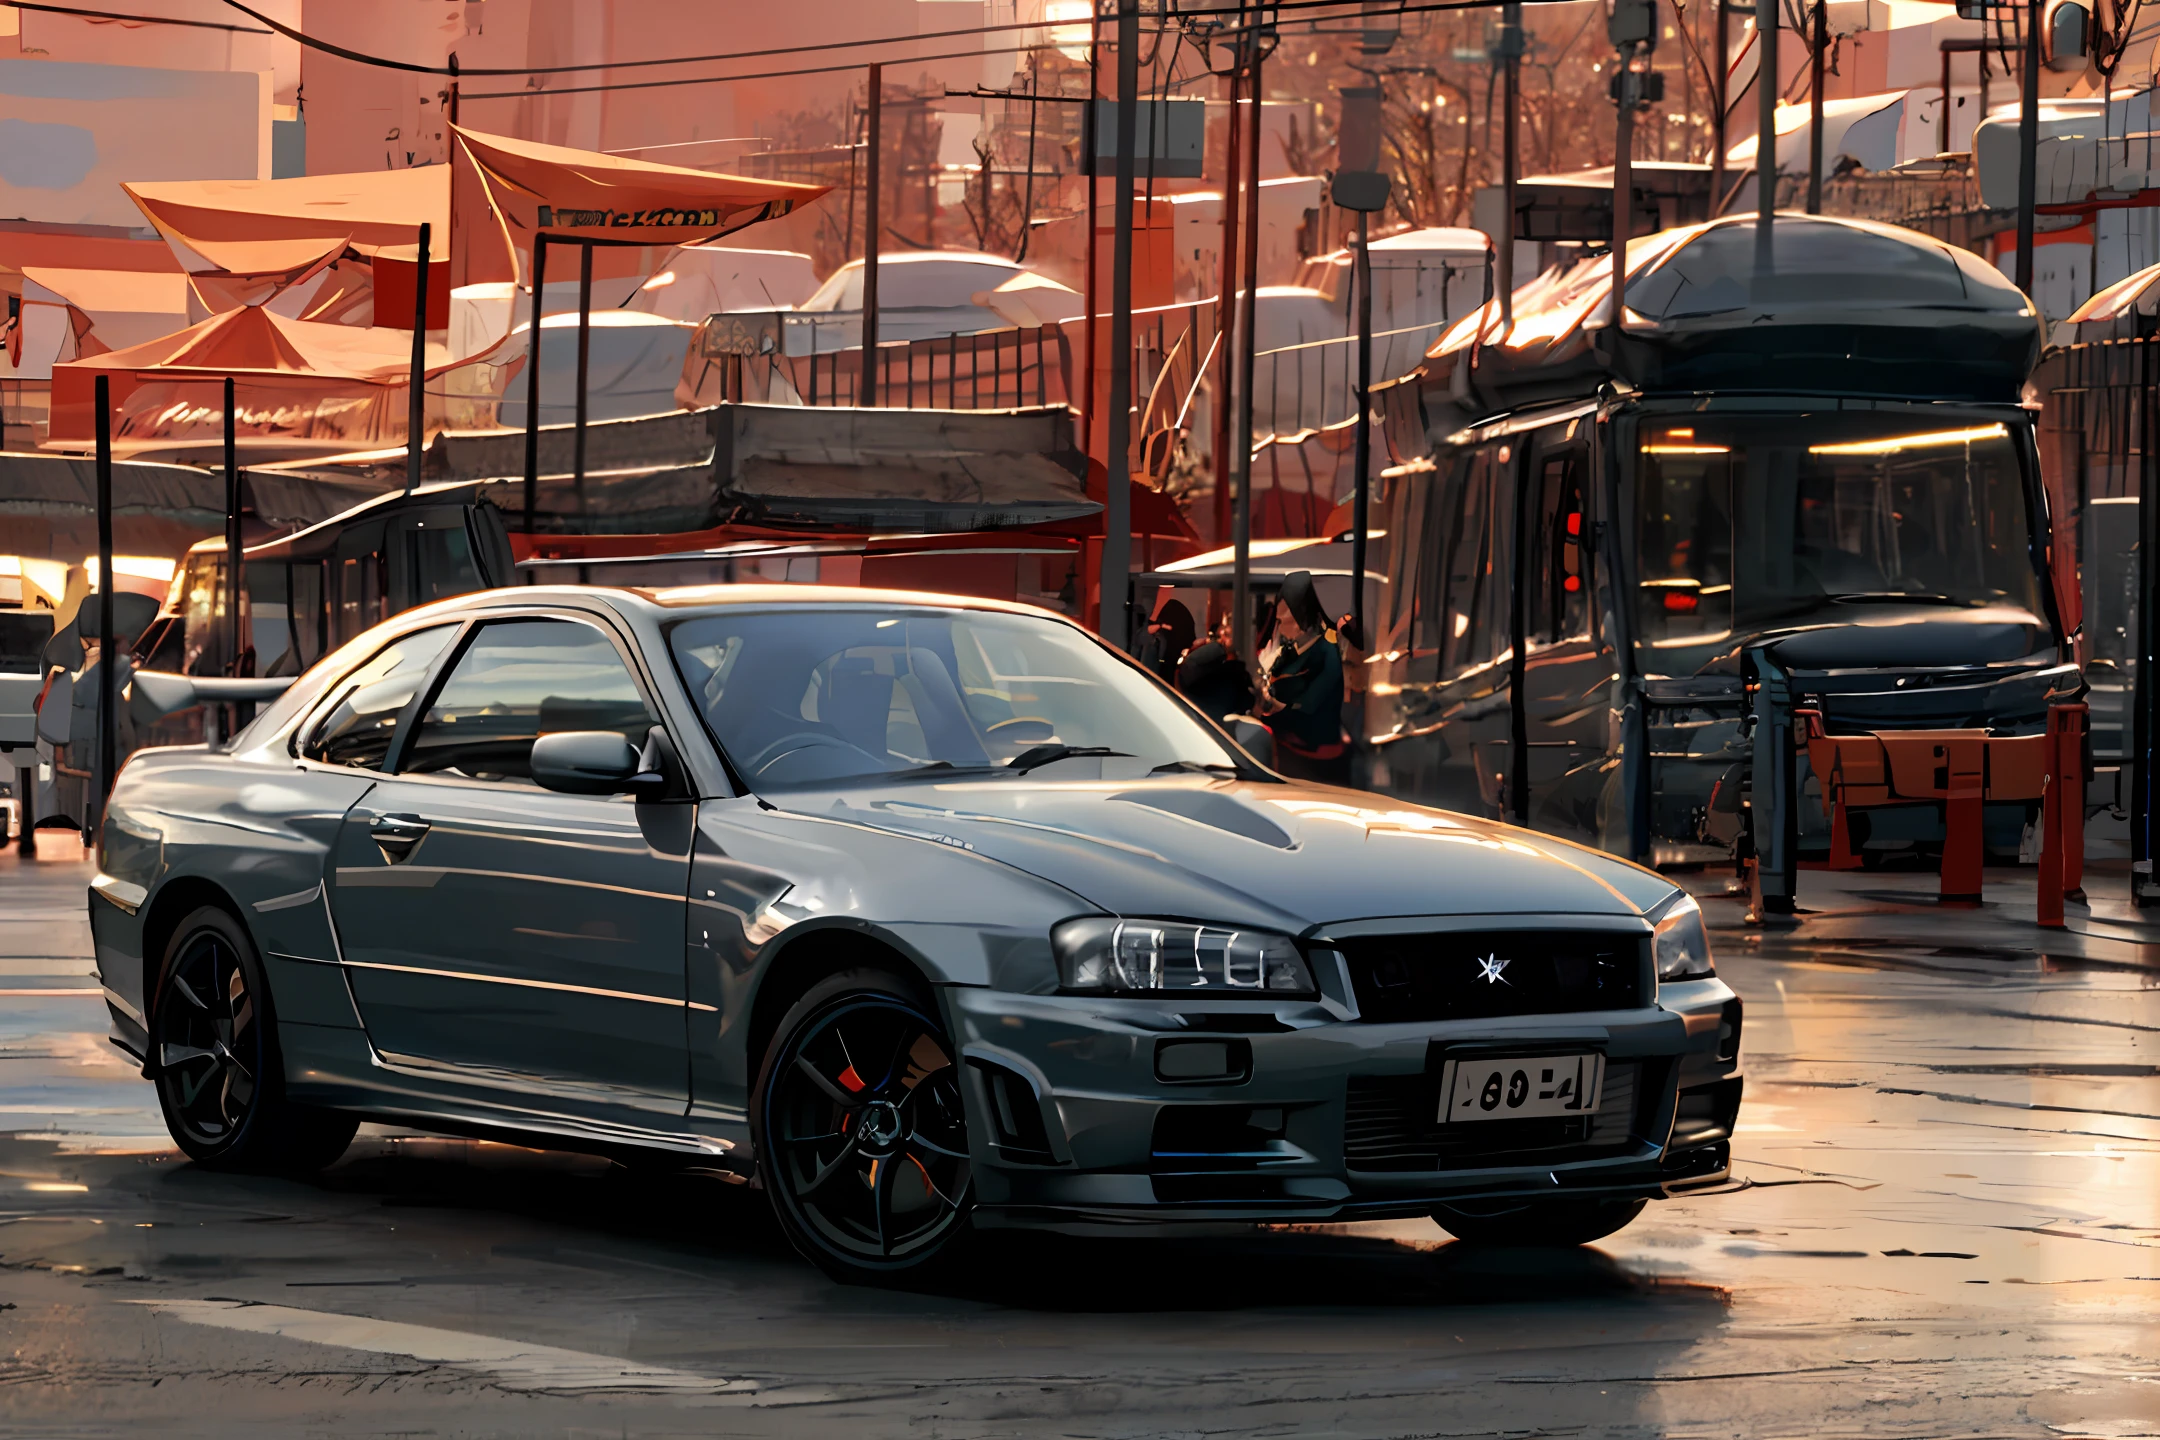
point(1944, 1220)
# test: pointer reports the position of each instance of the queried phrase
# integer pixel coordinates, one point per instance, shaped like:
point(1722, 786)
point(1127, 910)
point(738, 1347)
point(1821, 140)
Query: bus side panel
point(1449, 739)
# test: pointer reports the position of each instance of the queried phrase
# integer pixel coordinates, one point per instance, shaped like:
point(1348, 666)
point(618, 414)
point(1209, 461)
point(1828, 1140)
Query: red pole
point(2062, 814)
point(2076, 726)
point(1964, 853)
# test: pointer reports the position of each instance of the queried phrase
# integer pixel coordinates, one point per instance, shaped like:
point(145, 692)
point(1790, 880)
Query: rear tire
point(1554, 1224)
point(867, 1170)
point(214, 1054)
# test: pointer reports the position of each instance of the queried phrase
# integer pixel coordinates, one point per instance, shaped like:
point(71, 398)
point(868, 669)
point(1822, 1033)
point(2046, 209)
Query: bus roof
point(1847, 307)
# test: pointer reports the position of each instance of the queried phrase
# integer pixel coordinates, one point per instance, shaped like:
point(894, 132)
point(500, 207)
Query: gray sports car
point(923, 913)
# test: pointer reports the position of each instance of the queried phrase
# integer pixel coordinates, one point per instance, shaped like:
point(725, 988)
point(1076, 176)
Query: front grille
point(1393, 1124)
point(1470, 975)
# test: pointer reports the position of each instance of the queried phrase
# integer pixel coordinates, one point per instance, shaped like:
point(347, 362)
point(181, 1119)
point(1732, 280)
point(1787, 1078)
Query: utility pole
point(1226, 310)
point(1241, 617)
point(584, 372)
point(2028, 146)
point(873, 137)
point(416, 397)
point(1766, 167)
point(1719, 99)
point(1361, 187)
point(1820, 44)
point(233, 632)
point(108, 700)
point(1632, 26)
point(1115, 624)
point(532, 393)
point(1091, 289)
point(1509, 55)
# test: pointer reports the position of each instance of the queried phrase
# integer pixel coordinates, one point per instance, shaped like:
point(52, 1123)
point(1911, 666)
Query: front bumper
point(1087, 1113)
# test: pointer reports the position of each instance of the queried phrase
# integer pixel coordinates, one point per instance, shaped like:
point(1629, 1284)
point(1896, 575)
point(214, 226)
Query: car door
point(1471, 607)
point(1567, 668)
point(504, 935)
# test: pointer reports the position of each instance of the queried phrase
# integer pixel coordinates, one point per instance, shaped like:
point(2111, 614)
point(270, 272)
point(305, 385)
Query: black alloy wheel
point(220, 1078)
point(1547, 1223)
point(860, 1131)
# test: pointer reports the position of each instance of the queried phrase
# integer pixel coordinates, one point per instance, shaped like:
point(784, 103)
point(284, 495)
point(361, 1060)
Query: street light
point(1632, 27)
point(1361, 187)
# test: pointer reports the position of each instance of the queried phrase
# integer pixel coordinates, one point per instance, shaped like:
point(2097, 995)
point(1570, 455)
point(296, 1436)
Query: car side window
point(516, 681)
point(358, 725)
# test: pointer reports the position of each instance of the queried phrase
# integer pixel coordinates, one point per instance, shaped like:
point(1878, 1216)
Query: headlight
point(1681, 944)
point(1104, 953)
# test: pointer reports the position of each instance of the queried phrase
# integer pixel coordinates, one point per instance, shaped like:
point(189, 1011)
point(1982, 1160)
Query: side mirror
point(586, 762)
point(1255, 738)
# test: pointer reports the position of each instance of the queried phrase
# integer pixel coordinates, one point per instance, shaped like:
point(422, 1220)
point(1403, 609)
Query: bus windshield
point(1748, 521)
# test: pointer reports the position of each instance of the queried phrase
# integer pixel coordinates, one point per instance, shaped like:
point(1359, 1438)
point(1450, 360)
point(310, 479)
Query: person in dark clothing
point(1169, 635)
point(1214, 679)
point(1302, 696)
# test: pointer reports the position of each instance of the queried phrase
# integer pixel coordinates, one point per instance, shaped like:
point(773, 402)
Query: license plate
point(1521, 1087)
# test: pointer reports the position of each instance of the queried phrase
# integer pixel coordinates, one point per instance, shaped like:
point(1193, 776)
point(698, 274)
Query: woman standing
point(1302, 696)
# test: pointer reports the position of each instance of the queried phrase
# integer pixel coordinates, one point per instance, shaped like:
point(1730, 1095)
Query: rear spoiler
point(166, 692)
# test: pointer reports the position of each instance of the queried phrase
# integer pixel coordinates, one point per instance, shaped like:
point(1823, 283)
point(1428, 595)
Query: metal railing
point(1313, 385)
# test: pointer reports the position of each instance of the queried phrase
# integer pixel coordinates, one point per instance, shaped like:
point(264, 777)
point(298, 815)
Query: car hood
point(1286, 856)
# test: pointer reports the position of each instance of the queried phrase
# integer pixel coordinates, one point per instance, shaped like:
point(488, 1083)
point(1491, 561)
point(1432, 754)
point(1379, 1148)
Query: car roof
point(729, 596)
point(677, 597)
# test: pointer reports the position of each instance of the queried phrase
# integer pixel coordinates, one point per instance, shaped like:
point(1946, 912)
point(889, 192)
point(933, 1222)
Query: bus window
point(1684, 535)
point(360, 598)
point(24, 634)
point(268, 619)
point(1424, 584)
point(1473, 617)
point(1556, 570)
point(439, 562)
point(202, 616)
point(1745, 521)
point(307, 619)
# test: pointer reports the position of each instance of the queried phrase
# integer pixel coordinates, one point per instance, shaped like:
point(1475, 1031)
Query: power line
point(359, 57)
point(1429, 6)
point(725, 79)
point(362, 58)
point(141, 19)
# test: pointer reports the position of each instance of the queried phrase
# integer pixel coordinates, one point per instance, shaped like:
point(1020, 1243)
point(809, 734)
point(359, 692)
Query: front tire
point(220, 1076)
point(1554, 1224)
point(860, 1131)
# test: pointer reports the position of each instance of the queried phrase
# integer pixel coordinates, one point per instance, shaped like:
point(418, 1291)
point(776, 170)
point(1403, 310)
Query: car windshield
point(820, 693)
point(1744, 521)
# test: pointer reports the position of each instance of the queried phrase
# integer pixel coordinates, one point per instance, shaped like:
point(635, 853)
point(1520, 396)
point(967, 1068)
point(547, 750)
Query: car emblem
point(1493, 970)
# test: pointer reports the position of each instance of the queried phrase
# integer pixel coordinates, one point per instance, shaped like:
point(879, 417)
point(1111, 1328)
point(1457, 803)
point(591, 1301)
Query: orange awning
point(507, 191)
point(288, 374)
point(253, 341)
point(20, 249)
point(98, 291)
point(374, 208)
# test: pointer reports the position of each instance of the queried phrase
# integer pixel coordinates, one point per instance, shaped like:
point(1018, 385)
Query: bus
point(1800, 473)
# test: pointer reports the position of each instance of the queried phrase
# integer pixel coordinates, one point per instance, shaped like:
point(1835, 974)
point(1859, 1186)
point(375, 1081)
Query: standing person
point(1214, 678)
point(1302, 696)
point(1169, 635)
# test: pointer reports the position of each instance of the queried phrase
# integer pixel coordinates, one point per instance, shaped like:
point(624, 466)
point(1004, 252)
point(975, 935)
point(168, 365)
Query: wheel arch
point(814, 956)
point(174, 901)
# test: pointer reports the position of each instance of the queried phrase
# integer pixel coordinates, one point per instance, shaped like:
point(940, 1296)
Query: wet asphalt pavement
point(1945, 1221)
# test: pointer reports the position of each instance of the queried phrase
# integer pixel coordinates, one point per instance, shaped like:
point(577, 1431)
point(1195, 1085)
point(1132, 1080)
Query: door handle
point(396, 835)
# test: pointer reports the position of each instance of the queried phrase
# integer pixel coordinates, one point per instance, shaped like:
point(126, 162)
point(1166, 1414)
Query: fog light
point(1192, 1062)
